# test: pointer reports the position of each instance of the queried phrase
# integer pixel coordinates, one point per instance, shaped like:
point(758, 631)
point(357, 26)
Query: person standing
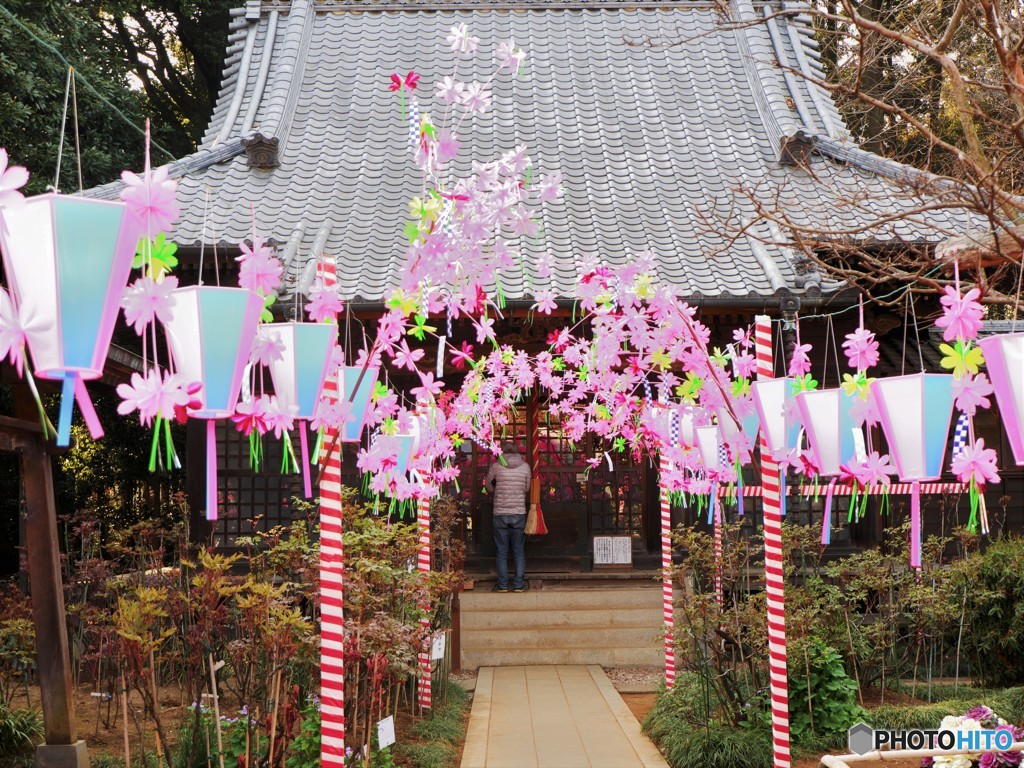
point(510, 478)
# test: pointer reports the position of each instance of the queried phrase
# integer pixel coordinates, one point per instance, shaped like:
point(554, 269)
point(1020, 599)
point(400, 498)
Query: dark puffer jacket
point(512, 484)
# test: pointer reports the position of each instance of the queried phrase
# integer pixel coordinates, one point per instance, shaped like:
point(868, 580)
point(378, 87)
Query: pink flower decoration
point(962, 315)
point(428, 387)
point(800, 364)
point(152, 395)
point(251, 415)
point(976, 462)
point(545, 301)
point(874, 470)
point(861, 349)
point(476, 98)
point(146, 300)
point(407, 358)
point(268, 346)
point(972, 393)
point(463, 356)
point(449, 90)
point(744, 365)
point(150, 200)
point(741, 336)
point(12, 178)
point(324, 304)
point(279, 417)
point(13, 333)
point(259, 248)
point(260, 271)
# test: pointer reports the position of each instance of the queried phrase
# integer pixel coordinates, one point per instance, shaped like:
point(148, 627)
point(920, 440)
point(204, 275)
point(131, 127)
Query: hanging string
point(202, 243)
point(917, 332)
point(906, 326)
point(63, 128)
point(78, 147)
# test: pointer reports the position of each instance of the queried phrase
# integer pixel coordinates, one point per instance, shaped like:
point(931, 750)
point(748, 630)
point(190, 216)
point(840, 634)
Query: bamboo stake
point(124, 701)
point(273, 717)
point(216, 708)
point(156, 717)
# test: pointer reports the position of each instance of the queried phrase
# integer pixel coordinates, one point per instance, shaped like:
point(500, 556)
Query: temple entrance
point(587, 490)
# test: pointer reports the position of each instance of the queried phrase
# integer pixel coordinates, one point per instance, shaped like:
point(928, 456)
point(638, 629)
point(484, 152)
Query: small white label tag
point(859, 449)
point(386, 732)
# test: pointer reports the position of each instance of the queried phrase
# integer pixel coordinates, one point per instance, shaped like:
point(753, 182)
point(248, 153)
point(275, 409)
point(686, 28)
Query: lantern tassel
point(154, 446)
point(972, 522)
point(211, 470)
point(67, 405)
point(915, 524)
point(86, 408)
point(172, 455)
point(826, 521)
point(739, 492)
point(307, 485)
point(782, 494)
point(712, 503)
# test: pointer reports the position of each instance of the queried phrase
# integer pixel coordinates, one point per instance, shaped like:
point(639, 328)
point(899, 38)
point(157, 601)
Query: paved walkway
point(553, 717)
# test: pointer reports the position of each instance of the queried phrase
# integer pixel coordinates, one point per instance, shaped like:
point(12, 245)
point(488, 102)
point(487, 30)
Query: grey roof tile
point(652, 141)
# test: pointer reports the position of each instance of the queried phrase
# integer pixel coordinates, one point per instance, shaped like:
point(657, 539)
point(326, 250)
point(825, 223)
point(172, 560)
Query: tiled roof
point(654, 112)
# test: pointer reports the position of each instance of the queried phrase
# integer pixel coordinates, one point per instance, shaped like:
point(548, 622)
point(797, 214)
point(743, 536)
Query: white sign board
point(613, 550)
point(386, 732)
point(437, 647)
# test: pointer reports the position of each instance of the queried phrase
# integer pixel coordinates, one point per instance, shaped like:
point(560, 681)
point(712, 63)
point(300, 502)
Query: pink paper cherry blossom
point(260, 271)
point(149, 200)
point(155, 394)
point(146, 300)
point(961, 315)
point(977, 462)
point(324, 303)
point(13, 333)
point(861, 349)
point(12, 178)
point(800, 363)
point(971, 393)
point(268, 346)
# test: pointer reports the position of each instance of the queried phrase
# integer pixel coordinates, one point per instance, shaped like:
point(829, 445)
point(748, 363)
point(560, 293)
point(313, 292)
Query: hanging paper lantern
point(675, 424)
point(916, 412)
point(299, 375)
point(1004, 355)
point(708, 447)
point(773, 399)
point(825, 414)
point(358, 385)
point(211, 331)
point(732, 432)
point(67, 260)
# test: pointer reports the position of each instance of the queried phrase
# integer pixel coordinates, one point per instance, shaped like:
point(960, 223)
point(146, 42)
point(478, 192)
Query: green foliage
point(305, 748)
point(686, 743)
point(821, 695)
point(445, 726)
point(994, 625)
point(19, 730)
point(427, 755)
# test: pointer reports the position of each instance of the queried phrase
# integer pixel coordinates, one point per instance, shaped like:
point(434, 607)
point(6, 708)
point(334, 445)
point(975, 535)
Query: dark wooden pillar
point(62, 748)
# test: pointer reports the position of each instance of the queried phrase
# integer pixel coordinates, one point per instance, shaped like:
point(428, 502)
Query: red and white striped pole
point(423, 686)
point(666, 575)
point(332, 617)
point(774, 579)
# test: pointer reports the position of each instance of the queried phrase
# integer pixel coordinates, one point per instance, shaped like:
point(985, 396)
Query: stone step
point(560, 637)
point(631, 616)
point(562, 599)
point(652, 656)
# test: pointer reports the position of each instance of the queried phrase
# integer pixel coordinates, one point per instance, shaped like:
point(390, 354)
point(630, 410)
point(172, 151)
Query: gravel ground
point(635, 679)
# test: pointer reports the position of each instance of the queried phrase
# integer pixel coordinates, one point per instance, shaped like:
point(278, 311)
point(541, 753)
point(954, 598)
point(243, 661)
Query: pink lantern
point(211, 331)
point(67, 259)
point(916, 412)
point(299, 375)
point(773, 400)
point(735, 434)
point(675, 424)
point(831, 439)
point(1004, 355)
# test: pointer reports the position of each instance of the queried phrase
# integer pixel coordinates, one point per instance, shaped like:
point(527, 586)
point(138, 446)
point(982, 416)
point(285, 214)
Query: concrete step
point(630, 616)
point(561, 637)
point(562, 599)
point(606, 657)
point(616, 626)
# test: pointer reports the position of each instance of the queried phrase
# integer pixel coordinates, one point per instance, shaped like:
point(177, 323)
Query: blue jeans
point(510, 529)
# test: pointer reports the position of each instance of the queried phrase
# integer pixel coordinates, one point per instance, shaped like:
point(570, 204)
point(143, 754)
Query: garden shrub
point(822, 698)
point(19, 729)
